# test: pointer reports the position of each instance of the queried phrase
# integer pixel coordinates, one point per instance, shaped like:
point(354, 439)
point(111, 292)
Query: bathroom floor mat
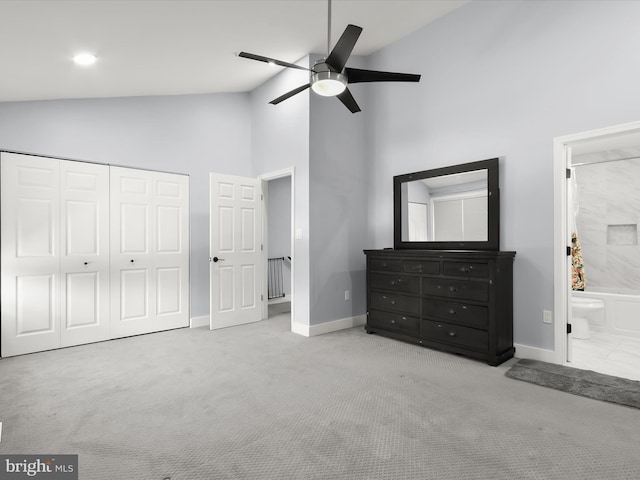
point(578, 382)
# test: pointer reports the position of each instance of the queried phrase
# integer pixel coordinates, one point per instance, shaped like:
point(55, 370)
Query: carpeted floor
point(258, 402)
point(579, 382)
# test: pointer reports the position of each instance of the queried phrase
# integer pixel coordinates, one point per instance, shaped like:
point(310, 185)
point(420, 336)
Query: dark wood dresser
point(454, 300)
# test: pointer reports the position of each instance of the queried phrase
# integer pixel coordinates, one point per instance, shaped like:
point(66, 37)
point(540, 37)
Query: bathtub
point(622, 312)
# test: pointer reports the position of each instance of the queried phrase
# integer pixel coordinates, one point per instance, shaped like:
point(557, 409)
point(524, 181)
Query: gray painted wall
point(503, 79)
point(192, 134)
point(338, 194)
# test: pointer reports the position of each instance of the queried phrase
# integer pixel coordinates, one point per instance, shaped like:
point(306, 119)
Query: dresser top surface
point(411, 253)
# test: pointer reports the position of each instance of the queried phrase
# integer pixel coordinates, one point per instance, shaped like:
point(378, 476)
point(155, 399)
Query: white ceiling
point(150, 47)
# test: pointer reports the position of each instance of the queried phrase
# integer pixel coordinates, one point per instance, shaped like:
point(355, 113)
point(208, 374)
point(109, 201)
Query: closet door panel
point(132, 258)
point(134, 294)
point(29, 254)
point(84, 263)
point(171, 244)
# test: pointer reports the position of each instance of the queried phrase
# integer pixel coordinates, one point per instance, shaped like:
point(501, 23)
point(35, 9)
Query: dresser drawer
point(475, 316)
point(461, 289)
point(466, 269)
point(385, 264)
point(394, 322)
point(421, 266)
point(397, 283)
point(395, 302)
point(454, 335)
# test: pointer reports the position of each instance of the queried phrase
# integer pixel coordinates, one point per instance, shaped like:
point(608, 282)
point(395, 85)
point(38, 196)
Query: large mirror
point(454, 208)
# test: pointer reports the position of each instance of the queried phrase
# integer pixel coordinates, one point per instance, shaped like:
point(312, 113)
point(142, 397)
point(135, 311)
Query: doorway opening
point(596, 254)
point(278, 234)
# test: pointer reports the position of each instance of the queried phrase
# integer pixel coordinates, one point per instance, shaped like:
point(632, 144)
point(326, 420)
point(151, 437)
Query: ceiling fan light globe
point(328, 84)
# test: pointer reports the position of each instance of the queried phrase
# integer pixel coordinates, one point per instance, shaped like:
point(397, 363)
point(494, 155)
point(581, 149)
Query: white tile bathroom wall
point(607, 223)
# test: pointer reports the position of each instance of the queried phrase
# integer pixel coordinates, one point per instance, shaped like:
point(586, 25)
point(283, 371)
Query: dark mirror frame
point(493, 220)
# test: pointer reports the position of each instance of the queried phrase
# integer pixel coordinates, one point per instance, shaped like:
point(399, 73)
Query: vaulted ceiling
point(169, 47)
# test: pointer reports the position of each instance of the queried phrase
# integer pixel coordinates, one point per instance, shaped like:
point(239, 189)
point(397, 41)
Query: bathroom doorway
point(278, 188)
point(597, 255)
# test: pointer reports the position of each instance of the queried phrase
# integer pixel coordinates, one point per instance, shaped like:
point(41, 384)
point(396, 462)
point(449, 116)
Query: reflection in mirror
point(446, 208)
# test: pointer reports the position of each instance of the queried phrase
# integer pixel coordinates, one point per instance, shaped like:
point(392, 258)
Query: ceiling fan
point(329, 77)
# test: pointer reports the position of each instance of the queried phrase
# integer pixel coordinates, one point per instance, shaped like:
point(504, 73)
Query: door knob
point(216, 259)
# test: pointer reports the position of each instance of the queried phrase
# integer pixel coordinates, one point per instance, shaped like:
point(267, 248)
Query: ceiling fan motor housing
point(326, 81)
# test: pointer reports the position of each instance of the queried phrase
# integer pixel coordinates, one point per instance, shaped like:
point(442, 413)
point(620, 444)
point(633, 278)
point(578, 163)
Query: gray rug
point(578, 382)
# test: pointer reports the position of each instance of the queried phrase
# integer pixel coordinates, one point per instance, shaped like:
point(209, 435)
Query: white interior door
point(236, 250)
point(84, 259)
point(30, 254)
point(149, 251)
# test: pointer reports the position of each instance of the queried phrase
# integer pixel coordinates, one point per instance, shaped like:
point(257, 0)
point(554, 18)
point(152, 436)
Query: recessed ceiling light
point(84, 59)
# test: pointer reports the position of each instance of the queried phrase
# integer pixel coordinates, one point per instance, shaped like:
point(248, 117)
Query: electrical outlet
point(547, 317)
point(347, 294)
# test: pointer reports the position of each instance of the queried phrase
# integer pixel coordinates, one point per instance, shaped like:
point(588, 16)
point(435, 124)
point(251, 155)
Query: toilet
point(584, 311)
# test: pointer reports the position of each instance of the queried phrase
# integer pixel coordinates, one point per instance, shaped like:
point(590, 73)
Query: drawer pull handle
point(452, 312)
point(404, 318)
point(393, 321)
point(393, 283)
point(393, 302)
point(452, 334)
point(452, 289)
point(463, 269)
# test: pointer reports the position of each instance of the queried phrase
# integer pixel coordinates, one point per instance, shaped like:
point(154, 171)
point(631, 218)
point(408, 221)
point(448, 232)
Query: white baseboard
point(328, 327)
point(300, 329)
point(535, 353)
point(202, 321)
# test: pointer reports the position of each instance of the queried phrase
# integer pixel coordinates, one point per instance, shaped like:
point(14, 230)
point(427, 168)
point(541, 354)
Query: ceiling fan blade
point(271, 61)
point(290, 94)
point(347, 99)
point(342, 50)
point(356, 75)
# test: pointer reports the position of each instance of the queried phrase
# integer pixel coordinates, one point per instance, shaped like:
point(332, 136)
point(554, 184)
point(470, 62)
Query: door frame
point(562, 152)
point(265, 178)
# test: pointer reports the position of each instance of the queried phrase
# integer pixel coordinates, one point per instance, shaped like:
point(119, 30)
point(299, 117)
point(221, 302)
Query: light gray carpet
point(578, 382)
point(258, 402)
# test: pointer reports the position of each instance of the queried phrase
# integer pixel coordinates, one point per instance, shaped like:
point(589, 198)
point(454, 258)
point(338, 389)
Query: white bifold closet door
point(149, 251)
point(90, 252)
point(55, 253)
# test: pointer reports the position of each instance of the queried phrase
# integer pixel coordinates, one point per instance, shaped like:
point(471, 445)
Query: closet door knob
point(86, 263)
point(132, 260)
